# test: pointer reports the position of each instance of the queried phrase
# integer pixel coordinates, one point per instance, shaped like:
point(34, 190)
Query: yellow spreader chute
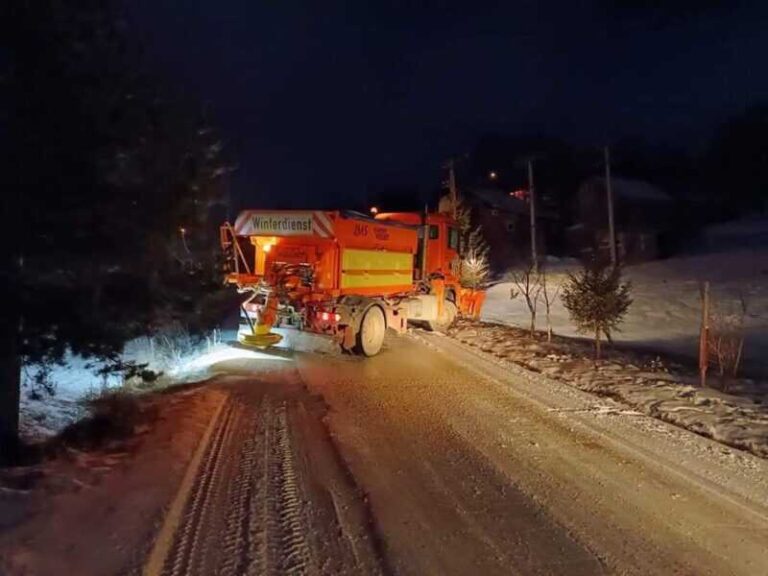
point(260, 336)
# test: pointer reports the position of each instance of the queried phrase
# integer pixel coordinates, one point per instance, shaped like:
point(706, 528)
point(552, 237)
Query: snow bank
point(43, 415)
point(745, 233)
point(665, 314)
point(645, 384)
point(178, 359)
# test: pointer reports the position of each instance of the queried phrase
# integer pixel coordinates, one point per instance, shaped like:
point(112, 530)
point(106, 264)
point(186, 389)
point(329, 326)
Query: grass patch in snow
point(114, 415)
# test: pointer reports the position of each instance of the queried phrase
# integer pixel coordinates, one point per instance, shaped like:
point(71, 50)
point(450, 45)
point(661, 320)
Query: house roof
point(495, 198)
point(631, 189)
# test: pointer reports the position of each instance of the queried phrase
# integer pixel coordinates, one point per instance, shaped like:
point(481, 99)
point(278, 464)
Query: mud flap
point(470, 302)
point(349, 339)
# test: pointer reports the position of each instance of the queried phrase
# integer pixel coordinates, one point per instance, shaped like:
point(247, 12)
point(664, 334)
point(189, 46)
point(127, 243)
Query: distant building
point(505, 221)
point(642, 215)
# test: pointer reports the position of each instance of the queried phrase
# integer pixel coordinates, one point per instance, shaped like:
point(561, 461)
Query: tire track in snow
point(237, 535)
point(188, 539)
point(259, 552)
point(258, 506)
point(279, 545)
point(293, 543)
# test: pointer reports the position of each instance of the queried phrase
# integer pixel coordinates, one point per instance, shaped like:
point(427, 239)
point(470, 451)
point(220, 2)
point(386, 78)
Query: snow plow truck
point(345, 275)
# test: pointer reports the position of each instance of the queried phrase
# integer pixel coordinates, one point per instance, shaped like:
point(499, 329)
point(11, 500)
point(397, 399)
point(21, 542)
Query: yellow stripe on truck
point(372, 268)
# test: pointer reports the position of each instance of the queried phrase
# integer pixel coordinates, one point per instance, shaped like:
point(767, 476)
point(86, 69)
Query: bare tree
point(528, 282)
point(549, 292)
point(725, 337)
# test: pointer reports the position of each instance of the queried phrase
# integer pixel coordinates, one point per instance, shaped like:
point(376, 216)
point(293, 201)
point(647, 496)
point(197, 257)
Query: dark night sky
point(321, 100)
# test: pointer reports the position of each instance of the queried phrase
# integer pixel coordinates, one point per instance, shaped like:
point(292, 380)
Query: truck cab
point(442, 242)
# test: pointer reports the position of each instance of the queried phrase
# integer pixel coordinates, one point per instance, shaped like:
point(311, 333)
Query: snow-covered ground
point(42, 414)
point(736, 234)
point(178, 360)
point(666, 311)
point(75, 379)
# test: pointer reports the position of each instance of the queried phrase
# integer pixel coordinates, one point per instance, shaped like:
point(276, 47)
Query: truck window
point(453, 239)
point(434, 232)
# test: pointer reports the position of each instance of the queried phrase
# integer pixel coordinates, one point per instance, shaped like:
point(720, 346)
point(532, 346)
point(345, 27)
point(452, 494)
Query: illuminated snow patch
point(222, 355)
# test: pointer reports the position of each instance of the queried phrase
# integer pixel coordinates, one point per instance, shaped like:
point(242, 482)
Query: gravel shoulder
point(94, 512)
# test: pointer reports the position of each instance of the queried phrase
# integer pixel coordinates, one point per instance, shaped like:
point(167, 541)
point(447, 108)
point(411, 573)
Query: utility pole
point(532, 200)
point(452, 188)
point(455, 212)
point(609, 202)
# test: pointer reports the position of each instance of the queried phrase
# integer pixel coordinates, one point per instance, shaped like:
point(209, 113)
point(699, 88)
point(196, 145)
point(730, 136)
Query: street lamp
point(183, 233)
point(492, 175)
point(374, 210)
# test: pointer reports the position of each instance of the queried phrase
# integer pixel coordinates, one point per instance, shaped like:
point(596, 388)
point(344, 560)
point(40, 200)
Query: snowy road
point(466, 468)
point(268, 495)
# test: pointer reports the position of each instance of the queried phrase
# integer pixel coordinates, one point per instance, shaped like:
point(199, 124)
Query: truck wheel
point(446, 318)
point(370, 338)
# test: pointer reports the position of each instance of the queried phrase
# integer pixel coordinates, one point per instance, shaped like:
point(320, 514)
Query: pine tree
point(597, 300)
point(473, 249)
point(474, 269)
point(110, 169)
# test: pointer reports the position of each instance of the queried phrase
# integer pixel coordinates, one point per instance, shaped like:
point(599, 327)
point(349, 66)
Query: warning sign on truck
point(257, 223)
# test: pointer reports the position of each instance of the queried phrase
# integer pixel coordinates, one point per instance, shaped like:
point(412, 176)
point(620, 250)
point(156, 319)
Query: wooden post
point(704, 334)
point(424, 242)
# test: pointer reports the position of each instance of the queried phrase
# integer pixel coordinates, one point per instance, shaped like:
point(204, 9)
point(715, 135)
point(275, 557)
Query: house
point(642, 215)
point(505, 220)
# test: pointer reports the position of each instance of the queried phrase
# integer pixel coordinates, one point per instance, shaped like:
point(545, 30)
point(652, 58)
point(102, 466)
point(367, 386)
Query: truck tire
point(446, 318)
point(370, 337)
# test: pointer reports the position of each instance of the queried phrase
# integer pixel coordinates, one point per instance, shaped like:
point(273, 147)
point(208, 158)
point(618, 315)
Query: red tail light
point(325, 316)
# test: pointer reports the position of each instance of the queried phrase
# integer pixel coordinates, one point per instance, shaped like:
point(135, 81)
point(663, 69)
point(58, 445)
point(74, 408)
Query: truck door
point(419, 257)
point(435, 249)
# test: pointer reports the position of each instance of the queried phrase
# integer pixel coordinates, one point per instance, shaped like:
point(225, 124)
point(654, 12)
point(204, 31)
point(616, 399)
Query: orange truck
point(346, 275)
